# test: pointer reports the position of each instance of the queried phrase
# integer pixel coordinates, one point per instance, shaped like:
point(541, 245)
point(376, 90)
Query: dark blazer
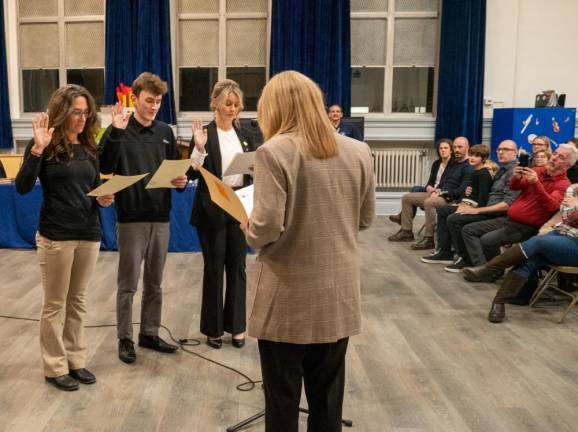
point(205, 213)
point(434, 172)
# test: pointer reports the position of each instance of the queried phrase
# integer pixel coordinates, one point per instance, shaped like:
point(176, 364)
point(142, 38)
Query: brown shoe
point(424, 244)
point(497, 313)
point(395, 218)
point(401, 236)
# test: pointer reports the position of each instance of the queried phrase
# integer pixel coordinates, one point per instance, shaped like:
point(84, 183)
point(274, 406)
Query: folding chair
point(549, 282)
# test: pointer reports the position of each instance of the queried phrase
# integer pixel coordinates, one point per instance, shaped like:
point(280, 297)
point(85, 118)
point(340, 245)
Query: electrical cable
point(182, 343)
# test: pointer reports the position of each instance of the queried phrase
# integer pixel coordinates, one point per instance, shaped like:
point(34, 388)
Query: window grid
point(390, 16)
point(61, 20)
point(183, 14)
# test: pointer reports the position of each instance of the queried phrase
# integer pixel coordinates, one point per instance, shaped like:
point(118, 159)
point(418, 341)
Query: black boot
point(509, 289)
point(495, 268)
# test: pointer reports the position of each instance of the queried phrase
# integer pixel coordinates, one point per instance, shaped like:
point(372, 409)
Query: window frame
point(390, 16)
point(61, 20)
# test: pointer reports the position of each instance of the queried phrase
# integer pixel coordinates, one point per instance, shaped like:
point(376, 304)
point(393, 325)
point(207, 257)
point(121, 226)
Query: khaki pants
point(66, 268)
point(423, 200)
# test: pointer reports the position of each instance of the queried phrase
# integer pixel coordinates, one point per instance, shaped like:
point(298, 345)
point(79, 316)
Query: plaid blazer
point(306, 217)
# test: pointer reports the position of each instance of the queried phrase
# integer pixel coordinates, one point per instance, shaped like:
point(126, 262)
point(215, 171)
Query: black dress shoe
point(126, 350)
point(497, 313)
point(83, 376)
point(216, 343)
point(238, 343)
point(63, 382)
point(156, 343)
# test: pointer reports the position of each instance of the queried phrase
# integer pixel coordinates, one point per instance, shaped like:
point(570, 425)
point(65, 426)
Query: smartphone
point(524, 160)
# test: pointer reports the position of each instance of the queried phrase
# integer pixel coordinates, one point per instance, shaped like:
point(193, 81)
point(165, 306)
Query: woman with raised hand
point(222, 242)
point(62, 155)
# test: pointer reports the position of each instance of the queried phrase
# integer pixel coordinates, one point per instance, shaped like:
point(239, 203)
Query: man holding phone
point(541, 192)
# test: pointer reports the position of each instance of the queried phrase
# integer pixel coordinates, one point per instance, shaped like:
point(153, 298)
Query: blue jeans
point(550, 249)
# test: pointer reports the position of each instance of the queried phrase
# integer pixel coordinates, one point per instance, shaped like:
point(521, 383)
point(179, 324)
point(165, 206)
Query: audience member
point(539, 143)
point(541, 192)
point(445, 154)
point(335, 113)
point(557, 247)
point(476, 196)
point(453, 183)
point(492, 167)
point(541, 158)
point(573, 170)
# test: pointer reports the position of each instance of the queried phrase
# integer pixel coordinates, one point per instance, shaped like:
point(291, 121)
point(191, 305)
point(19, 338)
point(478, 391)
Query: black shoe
point(156, 343)
point(238, 343)
point(63, 382)
point(457, 266)
point(83, 376)
point(126, 350)
point(438, 258)
point(497, 313)
point(216, 343)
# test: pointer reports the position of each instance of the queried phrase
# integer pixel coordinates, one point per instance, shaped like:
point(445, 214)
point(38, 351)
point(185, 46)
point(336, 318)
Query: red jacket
point(539, 201)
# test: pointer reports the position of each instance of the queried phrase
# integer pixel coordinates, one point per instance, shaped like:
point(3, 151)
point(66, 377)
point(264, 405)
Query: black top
point(456, 178)
point(2, 172)
point(481, 185)
point(572, 173)
point(67, 213)
point(138, 150)
point(205, 213)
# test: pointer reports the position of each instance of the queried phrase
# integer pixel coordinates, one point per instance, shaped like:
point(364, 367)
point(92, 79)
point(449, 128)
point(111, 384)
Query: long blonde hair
point(291, 102)
point(221, 92)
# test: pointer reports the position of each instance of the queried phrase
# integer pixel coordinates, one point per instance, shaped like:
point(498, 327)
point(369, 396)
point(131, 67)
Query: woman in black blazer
point(222, 242)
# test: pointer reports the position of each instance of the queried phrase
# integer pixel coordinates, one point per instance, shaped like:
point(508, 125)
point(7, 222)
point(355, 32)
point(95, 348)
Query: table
point(19, 220)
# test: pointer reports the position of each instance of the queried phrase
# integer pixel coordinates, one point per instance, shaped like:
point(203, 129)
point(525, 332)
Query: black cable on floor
point(182, 343)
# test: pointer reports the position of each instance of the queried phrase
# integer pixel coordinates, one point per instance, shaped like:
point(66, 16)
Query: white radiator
point(400, 168)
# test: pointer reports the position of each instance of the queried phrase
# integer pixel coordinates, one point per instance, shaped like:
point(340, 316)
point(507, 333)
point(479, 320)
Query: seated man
point(542, 190)
point(453, 183)
point(451, 220)
point(558, 247)
point(335, 115)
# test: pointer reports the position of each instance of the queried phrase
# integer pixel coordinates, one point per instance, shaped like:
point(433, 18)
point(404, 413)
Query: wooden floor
point(427, 359)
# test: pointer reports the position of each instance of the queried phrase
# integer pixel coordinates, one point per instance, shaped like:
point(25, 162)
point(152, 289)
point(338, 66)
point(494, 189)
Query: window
point(393, 53)
point(61, 42)
point(220, 39)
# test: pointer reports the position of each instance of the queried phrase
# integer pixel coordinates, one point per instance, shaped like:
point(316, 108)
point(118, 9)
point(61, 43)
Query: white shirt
point(230, 145)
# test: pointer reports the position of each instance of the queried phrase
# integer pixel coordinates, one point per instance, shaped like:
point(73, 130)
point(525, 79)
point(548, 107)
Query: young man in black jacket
point(136, 145)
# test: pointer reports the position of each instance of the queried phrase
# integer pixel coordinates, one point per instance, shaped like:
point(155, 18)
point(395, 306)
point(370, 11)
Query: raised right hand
point(120, 117)
point(42, 135)
point(200, 135)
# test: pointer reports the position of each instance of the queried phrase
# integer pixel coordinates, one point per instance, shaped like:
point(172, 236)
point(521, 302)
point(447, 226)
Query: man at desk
point(335, 115)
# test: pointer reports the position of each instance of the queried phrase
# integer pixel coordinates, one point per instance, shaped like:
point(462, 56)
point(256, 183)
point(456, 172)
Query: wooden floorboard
point(427, 359)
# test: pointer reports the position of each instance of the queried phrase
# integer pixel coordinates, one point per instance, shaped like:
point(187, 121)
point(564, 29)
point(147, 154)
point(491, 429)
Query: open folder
point(224, 196)
point(169, 170)
point(115, 184)
point(242, 163)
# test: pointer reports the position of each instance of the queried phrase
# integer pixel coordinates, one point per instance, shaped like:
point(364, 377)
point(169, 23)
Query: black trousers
point(320, 366)
point(224, 251)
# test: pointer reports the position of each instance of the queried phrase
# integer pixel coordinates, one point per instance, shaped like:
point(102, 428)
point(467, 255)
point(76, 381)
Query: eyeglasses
point(539, 144)
point(78, 113)
point(506, 149)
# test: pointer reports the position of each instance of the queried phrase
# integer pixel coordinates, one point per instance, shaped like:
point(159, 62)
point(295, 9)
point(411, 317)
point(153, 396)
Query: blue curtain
point(313, 37)
point(461, 70)
point(138, 39)
point(5, 121)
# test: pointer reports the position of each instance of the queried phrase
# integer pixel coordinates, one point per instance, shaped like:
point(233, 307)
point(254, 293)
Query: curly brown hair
point(59, 110)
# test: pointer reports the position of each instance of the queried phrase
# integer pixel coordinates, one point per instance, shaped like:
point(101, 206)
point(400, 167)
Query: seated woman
point(541, 157)
point(539, 143)
point(445, 153)
point(558, 247)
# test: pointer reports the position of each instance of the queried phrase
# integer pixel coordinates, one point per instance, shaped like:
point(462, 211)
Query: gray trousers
point(138, 242)
point(484, 239)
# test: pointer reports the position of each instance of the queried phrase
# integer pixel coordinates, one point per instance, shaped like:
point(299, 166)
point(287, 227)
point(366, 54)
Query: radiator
point(399, 168)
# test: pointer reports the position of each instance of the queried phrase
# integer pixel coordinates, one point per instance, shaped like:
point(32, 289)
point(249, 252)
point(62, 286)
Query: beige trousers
point(66, 268)
point(429, 205)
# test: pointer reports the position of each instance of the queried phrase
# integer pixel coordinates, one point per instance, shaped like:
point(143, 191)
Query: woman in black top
point(222, 242)
point(62, 155)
